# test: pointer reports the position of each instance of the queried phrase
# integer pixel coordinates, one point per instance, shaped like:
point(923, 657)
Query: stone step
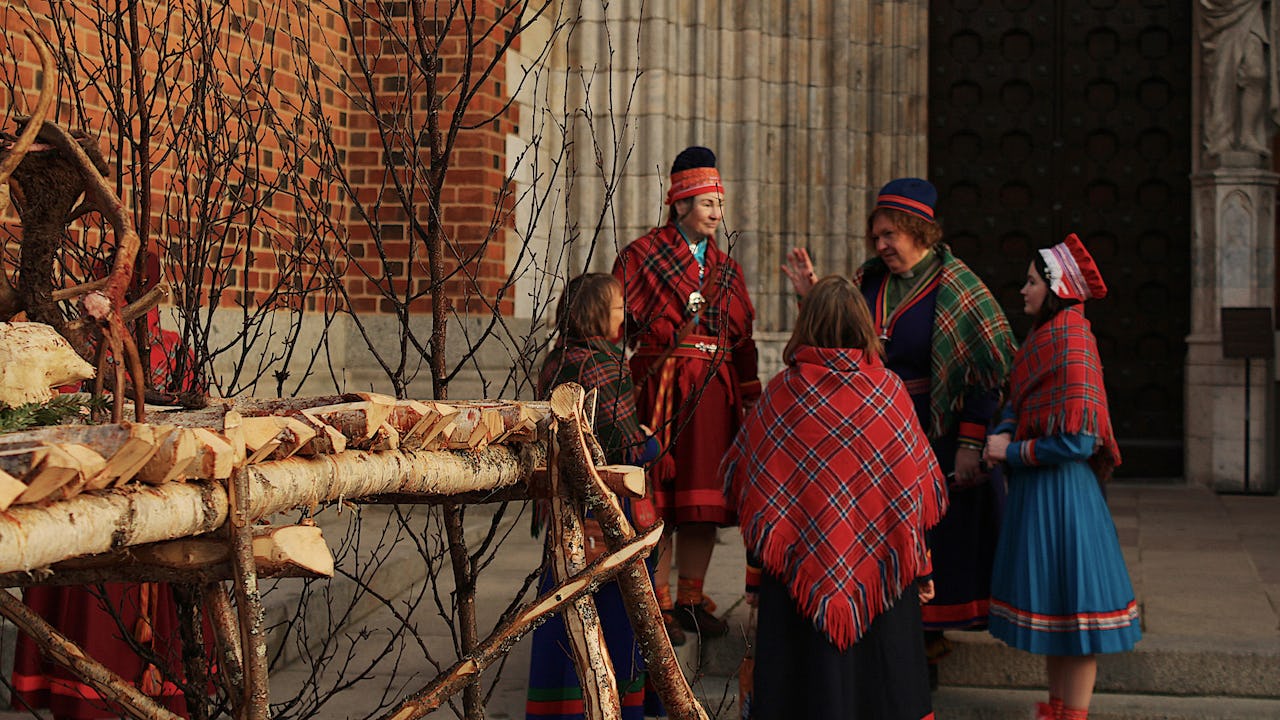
point(1159, 665)
point(719, 695)
point(1003, 704)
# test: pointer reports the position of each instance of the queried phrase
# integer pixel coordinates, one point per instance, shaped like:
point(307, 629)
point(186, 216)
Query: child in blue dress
point(1060, 587)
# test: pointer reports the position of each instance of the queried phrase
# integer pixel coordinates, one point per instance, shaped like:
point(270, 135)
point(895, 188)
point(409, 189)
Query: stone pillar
point(1232, 239)
point(1233, 265)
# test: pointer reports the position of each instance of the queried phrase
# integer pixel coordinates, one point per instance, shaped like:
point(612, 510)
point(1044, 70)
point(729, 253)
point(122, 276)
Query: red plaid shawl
point(1056, 387)
point(835, 484)
point(658, 273)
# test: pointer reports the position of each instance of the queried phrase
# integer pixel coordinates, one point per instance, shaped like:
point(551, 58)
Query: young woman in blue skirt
point(1060, 587)
point(589, 327)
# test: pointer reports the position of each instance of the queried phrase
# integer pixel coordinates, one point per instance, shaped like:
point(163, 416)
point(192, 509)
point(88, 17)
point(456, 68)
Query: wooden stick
point(637, 590)
point(435, 693)
point(222, 618)
point(581, 620)
point(255, 700)
point(65, 653)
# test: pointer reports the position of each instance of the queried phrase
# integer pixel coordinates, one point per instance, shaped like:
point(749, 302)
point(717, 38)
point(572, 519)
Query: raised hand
point(799, 269)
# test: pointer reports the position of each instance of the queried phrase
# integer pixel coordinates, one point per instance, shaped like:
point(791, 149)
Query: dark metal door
point(1057, 116)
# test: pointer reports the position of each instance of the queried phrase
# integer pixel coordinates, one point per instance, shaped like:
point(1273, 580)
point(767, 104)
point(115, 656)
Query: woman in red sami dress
point(689, 319)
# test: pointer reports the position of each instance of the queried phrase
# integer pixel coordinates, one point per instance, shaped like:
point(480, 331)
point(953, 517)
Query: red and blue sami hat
point(1072, 273)
point(910, 195)
point(693, 173)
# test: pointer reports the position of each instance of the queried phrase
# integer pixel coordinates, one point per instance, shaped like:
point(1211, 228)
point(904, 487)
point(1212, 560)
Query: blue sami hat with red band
point(910, 195)
point(693, 173)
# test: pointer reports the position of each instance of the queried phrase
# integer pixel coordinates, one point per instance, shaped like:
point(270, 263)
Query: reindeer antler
point(106, 305)
point(38, 115)
point(103, 307)
point(10, 303)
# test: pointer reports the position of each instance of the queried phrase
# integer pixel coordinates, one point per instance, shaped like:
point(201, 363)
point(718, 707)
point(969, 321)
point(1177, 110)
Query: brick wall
point(248, 179)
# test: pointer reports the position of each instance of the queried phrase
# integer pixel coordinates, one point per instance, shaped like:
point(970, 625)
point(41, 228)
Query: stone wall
point(810, 106)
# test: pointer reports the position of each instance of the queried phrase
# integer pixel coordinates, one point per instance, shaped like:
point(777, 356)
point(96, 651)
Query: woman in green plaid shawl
point(948, 339)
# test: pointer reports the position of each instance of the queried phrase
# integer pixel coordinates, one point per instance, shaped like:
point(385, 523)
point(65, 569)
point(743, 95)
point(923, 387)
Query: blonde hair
point(834, 315)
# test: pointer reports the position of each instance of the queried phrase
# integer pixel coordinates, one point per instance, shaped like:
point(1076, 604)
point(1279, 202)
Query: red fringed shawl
point(1056, 387)
point(835, 484)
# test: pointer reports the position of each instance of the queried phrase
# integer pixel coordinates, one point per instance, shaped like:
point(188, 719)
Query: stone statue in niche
point(1241, 102)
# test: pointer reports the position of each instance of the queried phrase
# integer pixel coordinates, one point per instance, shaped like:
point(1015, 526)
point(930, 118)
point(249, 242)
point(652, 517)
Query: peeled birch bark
point(33, 537)
point(581, 618)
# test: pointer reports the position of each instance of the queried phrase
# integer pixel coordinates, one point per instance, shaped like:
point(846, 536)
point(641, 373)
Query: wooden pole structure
point(581, 620)
point(435, 693)
point(578, 469)
point(35, 536)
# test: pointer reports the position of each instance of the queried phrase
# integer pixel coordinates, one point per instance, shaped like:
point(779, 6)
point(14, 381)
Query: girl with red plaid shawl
point(689, 318)
point(835, 486)
point(947, 338)
point(589, 322)
point(1060, 586)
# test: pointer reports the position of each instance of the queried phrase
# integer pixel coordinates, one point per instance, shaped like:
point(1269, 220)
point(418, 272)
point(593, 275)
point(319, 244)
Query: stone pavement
point(1206, 569)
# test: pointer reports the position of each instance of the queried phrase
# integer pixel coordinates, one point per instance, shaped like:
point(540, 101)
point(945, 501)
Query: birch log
point(293, 551)
point(581, 619)
point(578, 470)
point(33, 536)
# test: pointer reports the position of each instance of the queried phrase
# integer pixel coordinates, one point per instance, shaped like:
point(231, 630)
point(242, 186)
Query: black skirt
point(799, 673)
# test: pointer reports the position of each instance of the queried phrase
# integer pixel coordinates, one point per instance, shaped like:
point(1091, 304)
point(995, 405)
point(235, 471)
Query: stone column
point(1233, 265)
point(1232, 240)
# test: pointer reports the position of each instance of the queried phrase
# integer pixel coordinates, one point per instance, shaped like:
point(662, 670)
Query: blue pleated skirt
point(1060, 586)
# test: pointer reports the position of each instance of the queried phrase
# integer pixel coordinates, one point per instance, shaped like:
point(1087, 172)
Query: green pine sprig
point(59, 410)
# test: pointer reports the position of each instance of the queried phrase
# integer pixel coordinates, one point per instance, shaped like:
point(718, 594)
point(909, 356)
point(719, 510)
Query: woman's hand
point(925, 587)
point(799, 268)
point(968, 467)
point(997, 448)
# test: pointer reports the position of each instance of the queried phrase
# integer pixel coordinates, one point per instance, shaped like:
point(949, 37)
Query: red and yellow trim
point(1078, 622)
point(694, 181)
point(885, 318)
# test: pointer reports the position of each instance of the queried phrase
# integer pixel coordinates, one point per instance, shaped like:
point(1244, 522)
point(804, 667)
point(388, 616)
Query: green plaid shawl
point(972, 345)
